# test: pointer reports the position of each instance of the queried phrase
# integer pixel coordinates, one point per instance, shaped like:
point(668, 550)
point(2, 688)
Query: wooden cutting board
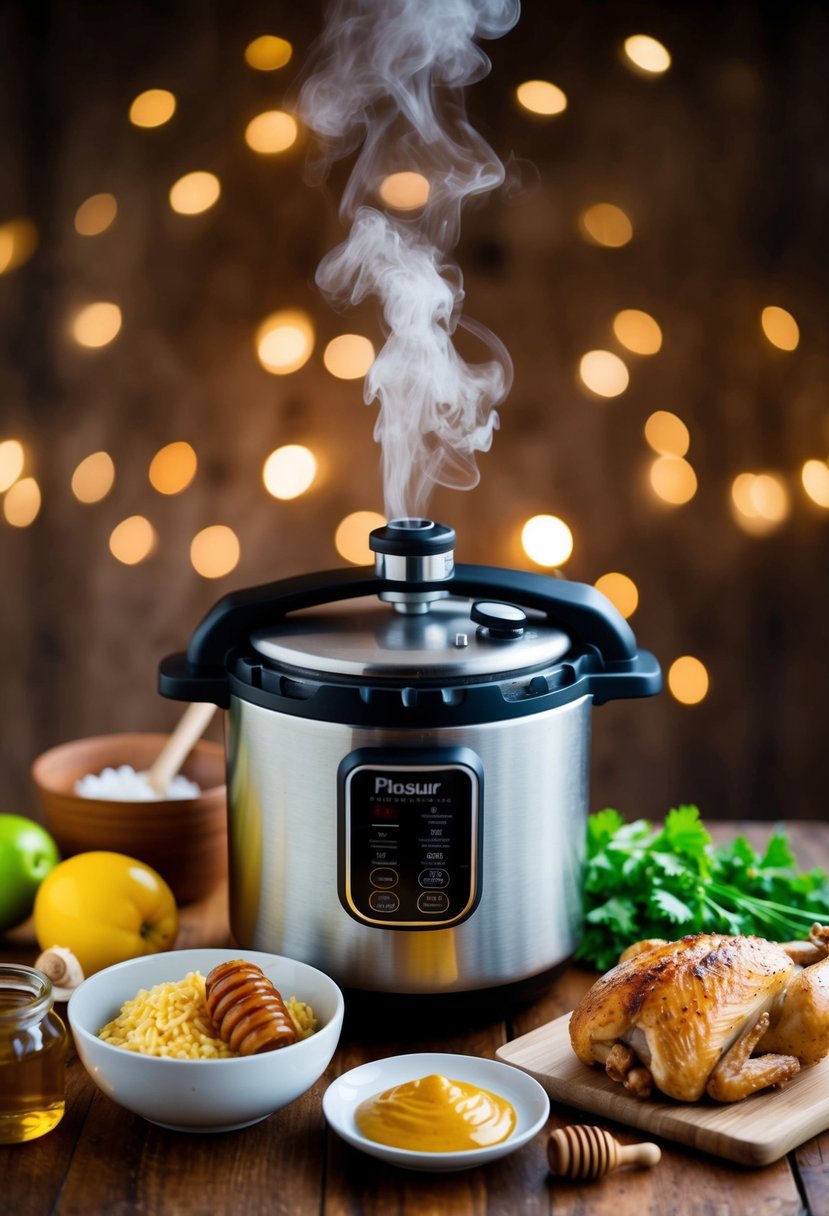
point(756, 1131)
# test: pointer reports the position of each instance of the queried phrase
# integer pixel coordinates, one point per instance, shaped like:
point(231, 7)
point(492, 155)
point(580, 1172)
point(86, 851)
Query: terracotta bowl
point(185, 839)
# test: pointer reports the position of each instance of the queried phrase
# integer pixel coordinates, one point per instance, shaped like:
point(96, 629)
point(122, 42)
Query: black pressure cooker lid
point(455, 639)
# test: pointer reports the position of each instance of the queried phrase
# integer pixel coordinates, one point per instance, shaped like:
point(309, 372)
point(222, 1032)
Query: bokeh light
point(96, 214)
point(351, 537)
point(12, 459)
point(152, 108)
point(215, 551)
point(667, 434)
point(688, 680)
point(348, 357)
point(815, 478)
point(289, 471)
point(284, 341)
point(760, 502)
point(606, 224)
point(405, 191)
point(21, 504)
point(541, 97)
point(547, 540)
point(780, 327)
point(271, 132)
point(97, 324)
point(194, 193)
point(673, 480)
point(18, 241)
point(604, 373)
point(620, 590)
point(93, 478)
point(637, 331)
point(133, 540)
point(647, 54)
point(173, 467)
point(268, 53)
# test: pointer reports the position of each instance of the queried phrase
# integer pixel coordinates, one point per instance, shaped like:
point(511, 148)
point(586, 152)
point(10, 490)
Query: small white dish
point(343, 1096)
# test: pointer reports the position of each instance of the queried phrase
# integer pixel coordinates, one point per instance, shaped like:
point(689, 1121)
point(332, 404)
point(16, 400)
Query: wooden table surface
point(101, 1158)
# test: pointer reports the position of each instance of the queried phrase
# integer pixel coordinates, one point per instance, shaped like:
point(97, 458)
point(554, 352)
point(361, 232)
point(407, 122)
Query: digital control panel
point(410, 837)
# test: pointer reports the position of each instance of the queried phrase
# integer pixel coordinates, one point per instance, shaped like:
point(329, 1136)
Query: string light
point(268, 53)
point(93, 477)
point(173, 468)
point(688, 680)
point(547, 540)
point(603, 373)
point(18, 241)
point(620, 590)
point(215, 551)
point(815, 478)
point(405, 191)
point(780, 327)
point(673, 480)
point(271, 132)
point(606, 224)
point(133, 540)
point(152, 108)
point(760, 502)
point(541, 97)
point(21, 505)
point(637, 331)
point(194, 193)
point(289, 471)
point(97, 324)
point(12, 459)
point(284, 341)
point(647, 54)
point(96, 214)
point(351, 536)
point(667, 434)
point(348, 357)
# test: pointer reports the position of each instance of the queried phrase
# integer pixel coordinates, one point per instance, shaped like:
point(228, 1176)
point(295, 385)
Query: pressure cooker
point(407, 760)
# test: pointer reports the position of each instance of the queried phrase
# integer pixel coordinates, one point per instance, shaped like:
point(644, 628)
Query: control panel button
point(383, 901)
point(432, 903)
point(433, 878)
point(383, 878)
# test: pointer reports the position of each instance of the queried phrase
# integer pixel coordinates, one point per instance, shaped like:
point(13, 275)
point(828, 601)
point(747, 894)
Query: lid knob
point(501, 620)
point(414, 551)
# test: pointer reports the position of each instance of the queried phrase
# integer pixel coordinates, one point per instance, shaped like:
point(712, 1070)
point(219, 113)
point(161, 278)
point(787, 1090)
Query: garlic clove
point(63, 969)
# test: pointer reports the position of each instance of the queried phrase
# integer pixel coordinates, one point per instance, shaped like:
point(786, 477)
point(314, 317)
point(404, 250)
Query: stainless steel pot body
point(286, 851)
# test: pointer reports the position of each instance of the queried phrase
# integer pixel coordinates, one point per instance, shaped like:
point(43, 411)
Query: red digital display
point(383, 814)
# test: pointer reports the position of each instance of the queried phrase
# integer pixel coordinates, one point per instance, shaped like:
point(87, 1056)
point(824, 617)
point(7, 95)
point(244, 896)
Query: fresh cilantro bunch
point(640, 883)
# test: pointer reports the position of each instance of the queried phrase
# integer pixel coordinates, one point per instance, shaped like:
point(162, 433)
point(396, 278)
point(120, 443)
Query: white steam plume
point(387, 77)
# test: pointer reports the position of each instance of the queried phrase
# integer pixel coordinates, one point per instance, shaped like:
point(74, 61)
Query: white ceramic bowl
point(203, 1095)
point(343, 1096)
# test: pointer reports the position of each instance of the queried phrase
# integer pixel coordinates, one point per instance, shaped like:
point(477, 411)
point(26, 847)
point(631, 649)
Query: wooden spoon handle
point(189, 729)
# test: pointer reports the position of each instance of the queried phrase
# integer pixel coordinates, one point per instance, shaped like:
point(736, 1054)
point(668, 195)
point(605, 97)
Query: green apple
point(27, 854)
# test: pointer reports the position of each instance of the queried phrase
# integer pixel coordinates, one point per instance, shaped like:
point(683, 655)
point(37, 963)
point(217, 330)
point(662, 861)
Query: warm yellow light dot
point(173, 468)
point(94, 477)
point(815, 478)
point(268, 53)
point(284, 341)
point(12, 459)
point(351, 537)
point(606, 224)
point(405, 191)
point(547, 540)
point(215, 551)
point(194, 193)
point(673, 480)
point(667, 434)
point(603, 373)
point(271, 132)
point(97, 324)
point(780, 327)
point(96, 214)
point(153, 108)
point(760, 502)
point(637, 331)
point(647, 54)
point(133, 540)
point(541, 97)
point(348, 357)
point(620, 590)
point(289, 471)
point(688, 680)
point(18, 241)
point(22, 502)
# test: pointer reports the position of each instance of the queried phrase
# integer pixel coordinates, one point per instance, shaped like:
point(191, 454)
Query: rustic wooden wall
point(723, 165)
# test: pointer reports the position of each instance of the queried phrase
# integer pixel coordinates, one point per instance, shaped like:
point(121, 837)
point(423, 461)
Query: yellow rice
point(171, 1020)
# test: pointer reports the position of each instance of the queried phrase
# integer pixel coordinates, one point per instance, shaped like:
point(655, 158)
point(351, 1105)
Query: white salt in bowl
point(203, 1095)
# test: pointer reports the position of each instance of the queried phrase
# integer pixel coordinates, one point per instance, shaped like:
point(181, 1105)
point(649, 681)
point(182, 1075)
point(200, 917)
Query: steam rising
point(388, 78)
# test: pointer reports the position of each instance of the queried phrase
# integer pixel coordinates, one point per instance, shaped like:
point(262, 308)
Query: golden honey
point(436, 1115)
point(33, 1043)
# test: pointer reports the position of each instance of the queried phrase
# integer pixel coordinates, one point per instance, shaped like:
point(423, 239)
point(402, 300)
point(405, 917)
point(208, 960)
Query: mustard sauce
point(436, 1115)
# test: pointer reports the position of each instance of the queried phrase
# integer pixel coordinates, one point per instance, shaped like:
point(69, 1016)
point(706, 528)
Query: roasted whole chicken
point(725, 1016)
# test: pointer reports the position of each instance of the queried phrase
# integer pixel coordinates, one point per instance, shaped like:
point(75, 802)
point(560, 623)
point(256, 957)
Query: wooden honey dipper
point(579, 1151)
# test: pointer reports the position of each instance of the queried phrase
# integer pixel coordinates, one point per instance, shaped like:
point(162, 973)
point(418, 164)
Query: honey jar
point(33, 1043)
